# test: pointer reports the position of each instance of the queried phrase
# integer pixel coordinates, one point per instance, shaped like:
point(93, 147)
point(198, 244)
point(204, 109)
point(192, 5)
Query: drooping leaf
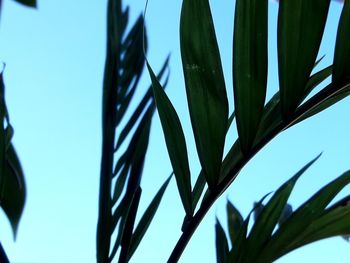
point(140, 107)
point(341, 70)
point(175, 141)
point(300, 28)
point(221, 243)
point(271, 213)
point(249, 67)
point(3, 256)
point(30, 3)
point(146, 219)
point(13, 192)
point(12, 183)
point(205, 85)
point(234, 221)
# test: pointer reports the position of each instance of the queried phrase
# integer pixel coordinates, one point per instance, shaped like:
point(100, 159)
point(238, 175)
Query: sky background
point(54, 66)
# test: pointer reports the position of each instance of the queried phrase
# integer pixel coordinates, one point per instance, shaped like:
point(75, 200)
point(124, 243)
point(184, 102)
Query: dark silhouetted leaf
point(290, 234)
point(341, 69)
point(13, 191)
point(175, 141)
point(300, 28)
point(129, 226)
point(147, 218)
point(221, 243)
point(205, 85)
point(198, 189)
point(249, 67)
point(234, 221)
point(270, 215)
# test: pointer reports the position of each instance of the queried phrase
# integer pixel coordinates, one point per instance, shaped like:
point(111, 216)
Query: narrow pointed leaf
point(205, 85)
point(141, 107)
point(300, 28)
point(146, 219)
point(341, 70)
point(290, 233)
point(249, 67)
point(270, 215)
point(221, 243)
point(198, 189)
point(175, 141)
point(334, 221)
point(13, 190)
point(329, 96)
point(239, 245)
point(234, 220)
point(129, 226)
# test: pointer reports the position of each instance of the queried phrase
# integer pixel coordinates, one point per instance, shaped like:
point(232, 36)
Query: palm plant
point(278, 230)
point(300, 30)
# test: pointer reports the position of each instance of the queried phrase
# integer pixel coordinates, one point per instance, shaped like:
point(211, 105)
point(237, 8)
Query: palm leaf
point(205, 86)
point(249, 67)
point(300, 29)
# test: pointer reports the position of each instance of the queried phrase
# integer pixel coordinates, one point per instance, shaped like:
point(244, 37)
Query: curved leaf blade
point(300, 28)
point(175, 141)
point(147, 218)
point(249, 67)
point(13, 192)
point(205, 85)
point(221, 243)
point(270, 214)
point(290, 234)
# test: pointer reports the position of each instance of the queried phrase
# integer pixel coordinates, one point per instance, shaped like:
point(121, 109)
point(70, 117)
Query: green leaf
point(146, 219)
point(205, 85)
point(341, 70)
point(325, 98)
point(271, 213)
point(129, 226)
point(272, 116)
point(175, 141)
point(198, 190)
point(30, 3)
point(239, 246)
point(221, 243)
point(141, 107)
point(290, 234)
point(234, 220)
point(249, 67)
point(13, 191)
point(334, 221)
point(300, 28)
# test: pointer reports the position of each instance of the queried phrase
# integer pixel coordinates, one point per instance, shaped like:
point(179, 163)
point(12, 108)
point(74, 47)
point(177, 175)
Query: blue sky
point(54, 66)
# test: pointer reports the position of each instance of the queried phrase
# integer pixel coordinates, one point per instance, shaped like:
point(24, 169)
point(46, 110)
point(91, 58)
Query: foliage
point(121, 167)
point(300, 30)
point(278, 230)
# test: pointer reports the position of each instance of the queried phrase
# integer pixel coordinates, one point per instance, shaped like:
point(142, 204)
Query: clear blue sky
point(55, 58)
